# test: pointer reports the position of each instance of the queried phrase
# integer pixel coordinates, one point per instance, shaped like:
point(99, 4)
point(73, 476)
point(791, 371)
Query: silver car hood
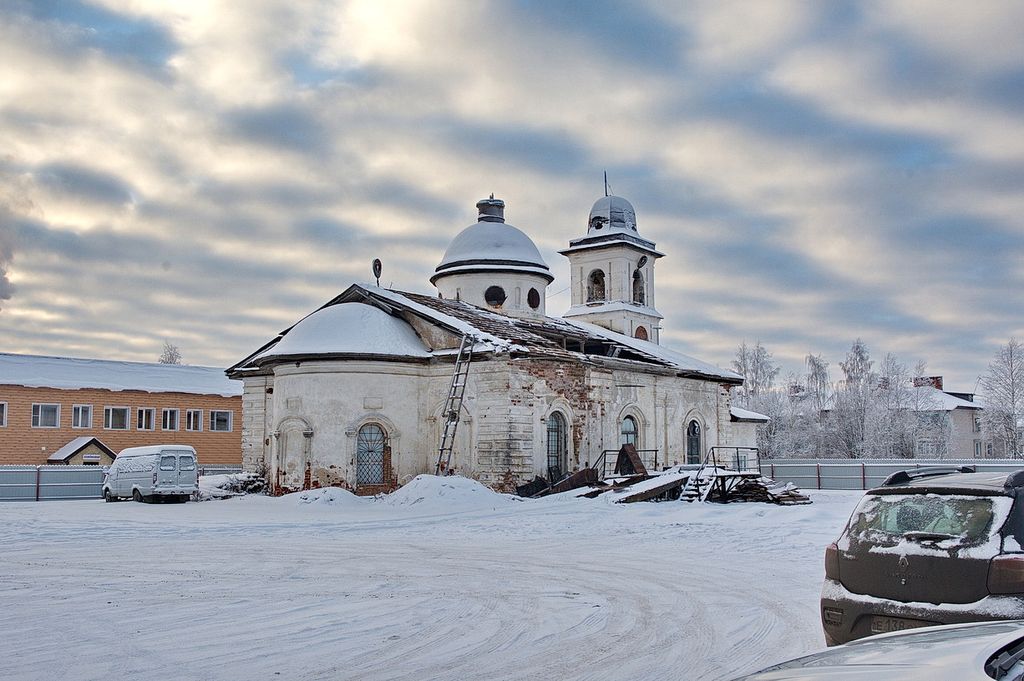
point(957, 651)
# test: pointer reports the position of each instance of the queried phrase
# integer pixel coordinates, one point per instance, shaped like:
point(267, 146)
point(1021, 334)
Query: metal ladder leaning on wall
point(453, 405)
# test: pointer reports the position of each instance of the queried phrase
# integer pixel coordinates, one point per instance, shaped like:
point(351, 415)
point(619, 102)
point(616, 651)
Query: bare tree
point(758, 369)
point(1002, 419)
point(170, 354)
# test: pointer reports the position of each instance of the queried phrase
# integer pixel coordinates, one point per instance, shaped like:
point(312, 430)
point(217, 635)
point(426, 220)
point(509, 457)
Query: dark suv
point(931, 546)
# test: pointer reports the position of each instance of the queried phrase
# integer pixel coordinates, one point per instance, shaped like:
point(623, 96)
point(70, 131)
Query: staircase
point(453, 405)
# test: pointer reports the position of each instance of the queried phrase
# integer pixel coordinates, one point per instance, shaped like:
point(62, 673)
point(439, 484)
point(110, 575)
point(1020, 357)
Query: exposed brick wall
point(20, 443)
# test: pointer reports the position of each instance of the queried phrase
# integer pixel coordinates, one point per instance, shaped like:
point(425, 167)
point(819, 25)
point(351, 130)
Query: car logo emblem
point(902, 570)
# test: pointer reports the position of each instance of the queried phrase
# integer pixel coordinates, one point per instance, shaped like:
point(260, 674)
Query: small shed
point(83, 451)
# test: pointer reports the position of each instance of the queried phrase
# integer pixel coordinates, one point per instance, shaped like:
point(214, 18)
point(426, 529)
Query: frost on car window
point(954, 520)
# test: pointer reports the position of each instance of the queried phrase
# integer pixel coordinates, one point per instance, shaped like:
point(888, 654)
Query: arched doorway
point(371, 442)
point(557, 459)
point(629, 434)
point(693, 450)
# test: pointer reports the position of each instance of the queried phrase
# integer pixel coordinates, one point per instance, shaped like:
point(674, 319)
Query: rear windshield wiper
point(1000, 665)
point(929, 536)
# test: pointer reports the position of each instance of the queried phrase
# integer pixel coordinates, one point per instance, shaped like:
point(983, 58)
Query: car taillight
point(1006, 575)
point(832, 561)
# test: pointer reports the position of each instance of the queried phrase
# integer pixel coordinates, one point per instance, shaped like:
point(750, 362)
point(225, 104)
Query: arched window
point(638, 288)
point(557, 460)
point(630, 432)
point(693, 453)
point(641, 333)
point(370, 444)
point(595, 286)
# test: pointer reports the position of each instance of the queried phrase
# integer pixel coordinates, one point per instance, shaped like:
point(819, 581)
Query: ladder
point(453, 405)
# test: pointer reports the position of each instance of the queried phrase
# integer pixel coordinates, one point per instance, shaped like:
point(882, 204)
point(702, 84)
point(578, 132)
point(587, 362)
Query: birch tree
point(1002, 419)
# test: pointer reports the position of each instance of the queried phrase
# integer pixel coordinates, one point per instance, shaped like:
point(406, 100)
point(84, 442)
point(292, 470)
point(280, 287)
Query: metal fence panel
point(866, 473)
point(44, 483)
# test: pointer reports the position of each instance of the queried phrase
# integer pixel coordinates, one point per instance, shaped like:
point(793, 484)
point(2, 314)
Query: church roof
point(349, 328)
point(491, 244)
point(548, 337)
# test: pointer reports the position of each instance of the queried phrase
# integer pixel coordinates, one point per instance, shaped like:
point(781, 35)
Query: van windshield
point(167, 463)
point(186, 463)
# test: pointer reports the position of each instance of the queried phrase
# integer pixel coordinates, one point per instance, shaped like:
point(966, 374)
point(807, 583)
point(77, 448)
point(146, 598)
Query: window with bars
point(370, 444)
point(557, 460)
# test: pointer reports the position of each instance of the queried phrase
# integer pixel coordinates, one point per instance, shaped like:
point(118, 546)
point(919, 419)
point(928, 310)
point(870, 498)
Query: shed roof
point(77, 445)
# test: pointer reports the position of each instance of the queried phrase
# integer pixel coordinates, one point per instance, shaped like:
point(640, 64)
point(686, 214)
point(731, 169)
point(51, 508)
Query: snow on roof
point(350, 328)
point(739, 414)
point(485, 341)
point(75, 446)
point(670, 357)
point(491, 241)
point(70, 373)
point(610, 306)
point(930, 398)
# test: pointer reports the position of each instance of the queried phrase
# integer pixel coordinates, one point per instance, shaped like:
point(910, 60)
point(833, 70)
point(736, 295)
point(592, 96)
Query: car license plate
point(882, 625)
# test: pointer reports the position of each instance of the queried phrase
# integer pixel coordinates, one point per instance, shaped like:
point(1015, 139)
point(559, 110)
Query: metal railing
point(740, 459)
point(863, 474)
point(605, 463)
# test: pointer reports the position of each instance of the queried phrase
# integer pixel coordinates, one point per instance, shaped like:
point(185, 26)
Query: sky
point(207, 173)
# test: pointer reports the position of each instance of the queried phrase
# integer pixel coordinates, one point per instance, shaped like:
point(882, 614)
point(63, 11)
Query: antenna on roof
point(492, 196)
point(377, 267)
point(606, 183)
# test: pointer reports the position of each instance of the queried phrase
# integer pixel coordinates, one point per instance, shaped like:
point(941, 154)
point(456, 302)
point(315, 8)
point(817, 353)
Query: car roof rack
point(903, 477)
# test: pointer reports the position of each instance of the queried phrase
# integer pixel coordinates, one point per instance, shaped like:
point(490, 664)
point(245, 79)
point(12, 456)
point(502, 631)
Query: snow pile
point(448, 493)
point(229, 485)
point(327, 496)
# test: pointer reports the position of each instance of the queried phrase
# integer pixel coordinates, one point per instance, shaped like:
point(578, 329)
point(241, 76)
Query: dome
point(491, 244)
point(611, 213)
point(350, 328)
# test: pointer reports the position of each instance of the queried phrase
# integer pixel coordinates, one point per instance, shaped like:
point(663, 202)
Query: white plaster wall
point(470, 287)
point(962, 434)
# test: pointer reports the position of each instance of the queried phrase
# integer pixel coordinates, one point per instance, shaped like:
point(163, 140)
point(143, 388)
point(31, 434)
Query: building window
point(533, 299)
point(641, 333)
point(977, 449)
point(639, 296)
point(170, 419)
point(81, 416)
point(194, 419)
point(557, 460)
point(370, 444)
point(146, 419)
point(595, 286)
point(220, 421)
point(977, 424)
point(693, 453)
point(494, 296)
point(3, 414)
point(629, 431)
point(45, 415)
point(116, 418)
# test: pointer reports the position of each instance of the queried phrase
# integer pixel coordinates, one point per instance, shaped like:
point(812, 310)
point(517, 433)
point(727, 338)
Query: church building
point(378, 386)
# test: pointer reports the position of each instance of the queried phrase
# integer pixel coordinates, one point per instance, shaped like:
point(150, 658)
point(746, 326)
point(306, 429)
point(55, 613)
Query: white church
point(378, 386)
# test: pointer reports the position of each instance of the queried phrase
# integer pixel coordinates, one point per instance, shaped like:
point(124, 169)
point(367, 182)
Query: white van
point(157, 472)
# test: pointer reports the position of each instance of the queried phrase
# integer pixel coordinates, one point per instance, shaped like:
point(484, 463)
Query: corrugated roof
point(72, 373)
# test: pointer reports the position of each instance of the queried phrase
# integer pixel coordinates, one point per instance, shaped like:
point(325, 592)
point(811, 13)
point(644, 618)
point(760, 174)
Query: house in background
point(49, 404)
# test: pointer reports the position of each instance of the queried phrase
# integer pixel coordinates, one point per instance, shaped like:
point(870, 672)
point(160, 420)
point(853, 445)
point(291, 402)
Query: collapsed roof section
point(433, 328)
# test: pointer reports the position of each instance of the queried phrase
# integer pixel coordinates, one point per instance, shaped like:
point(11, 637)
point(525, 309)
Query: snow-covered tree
point(758, 369)
point(170, 354)
point(1002, 419)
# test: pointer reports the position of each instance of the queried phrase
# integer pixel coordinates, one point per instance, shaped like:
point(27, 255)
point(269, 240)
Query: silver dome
point(611, 213)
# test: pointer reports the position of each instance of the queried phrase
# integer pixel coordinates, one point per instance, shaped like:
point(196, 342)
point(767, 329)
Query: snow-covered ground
point(442, 580)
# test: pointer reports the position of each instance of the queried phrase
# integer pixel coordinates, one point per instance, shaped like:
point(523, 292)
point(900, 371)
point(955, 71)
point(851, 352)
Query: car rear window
point(167, 463)
point(186, 463)
point(951, 520)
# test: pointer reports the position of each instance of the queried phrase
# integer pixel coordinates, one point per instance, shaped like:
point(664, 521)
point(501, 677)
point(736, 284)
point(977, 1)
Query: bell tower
point(612, 273)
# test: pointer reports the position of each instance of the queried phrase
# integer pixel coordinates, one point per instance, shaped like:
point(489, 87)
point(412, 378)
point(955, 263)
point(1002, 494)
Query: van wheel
point(137, 495)
point(107, 497)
